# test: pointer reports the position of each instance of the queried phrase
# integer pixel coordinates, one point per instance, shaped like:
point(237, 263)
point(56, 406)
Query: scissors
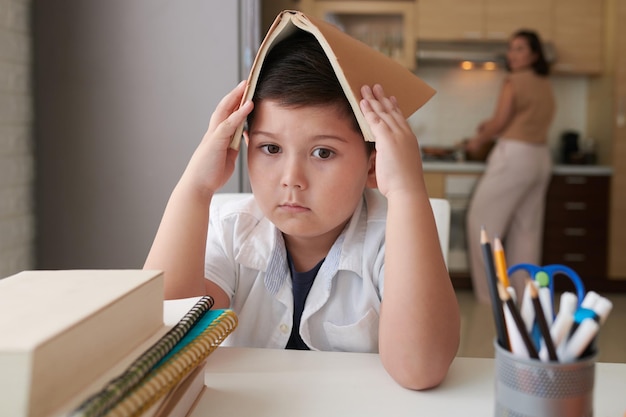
point(544, 275)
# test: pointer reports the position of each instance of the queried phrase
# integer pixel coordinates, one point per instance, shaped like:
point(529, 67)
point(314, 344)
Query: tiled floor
point(478, 332)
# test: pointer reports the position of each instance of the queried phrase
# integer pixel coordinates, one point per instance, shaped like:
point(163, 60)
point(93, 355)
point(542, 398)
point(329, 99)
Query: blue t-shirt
point(302, 283)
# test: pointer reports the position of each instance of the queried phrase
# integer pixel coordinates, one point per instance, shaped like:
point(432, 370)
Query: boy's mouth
point(293, 207)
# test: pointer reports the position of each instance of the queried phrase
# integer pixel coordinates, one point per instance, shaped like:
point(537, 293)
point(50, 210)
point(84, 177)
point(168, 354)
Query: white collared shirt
point(246, 257)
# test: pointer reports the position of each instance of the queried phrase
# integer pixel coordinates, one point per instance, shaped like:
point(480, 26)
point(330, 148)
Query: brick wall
point(17, 221)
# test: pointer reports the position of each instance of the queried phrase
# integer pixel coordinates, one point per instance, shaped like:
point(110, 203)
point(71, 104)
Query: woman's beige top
point(533, 107)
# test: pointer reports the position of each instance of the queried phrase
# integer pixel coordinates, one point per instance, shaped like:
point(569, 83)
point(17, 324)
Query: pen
point(579, 341)
point(518, 323)
point(586, 310)
point(541, 321)
point(526, 309)
point(500, 261)
point(545, 298)
point(492, 282)
point(564, 319)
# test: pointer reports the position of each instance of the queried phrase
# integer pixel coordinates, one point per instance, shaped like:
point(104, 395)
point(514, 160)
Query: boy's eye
point(270, 148)
point(322, 153)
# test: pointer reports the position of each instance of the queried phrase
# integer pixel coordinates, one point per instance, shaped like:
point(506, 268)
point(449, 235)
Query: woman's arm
point(179, 246)
point(419, 320)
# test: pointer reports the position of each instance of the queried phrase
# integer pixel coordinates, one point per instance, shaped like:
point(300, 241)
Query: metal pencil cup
point(532, 388)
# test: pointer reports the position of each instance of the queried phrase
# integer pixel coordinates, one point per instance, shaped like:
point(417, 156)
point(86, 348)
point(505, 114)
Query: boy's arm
point(179, 246)
point(419, 319)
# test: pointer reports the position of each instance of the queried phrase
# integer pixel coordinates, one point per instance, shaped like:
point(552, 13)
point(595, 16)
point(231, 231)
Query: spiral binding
point(101, 402)
point(164, 378)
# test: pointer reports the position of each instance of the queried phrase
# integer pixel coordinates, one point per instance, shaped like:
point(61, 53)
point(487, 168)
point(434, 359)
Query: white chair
point(440, 206)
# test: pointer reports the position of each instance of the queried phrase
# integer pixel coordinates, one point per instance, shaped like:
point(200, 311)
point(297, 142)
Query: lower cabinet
point(576, 227)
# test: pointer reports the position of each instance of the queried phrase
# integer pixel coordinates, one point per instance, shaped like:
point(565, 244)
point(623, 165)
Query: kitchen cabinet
point(504, 17)
point(617, 210)
point(576, 225)
point(450, 19)
point(575, 27)
point(578, 35)
point(578, 230)
point(388, 26)
point(482, 19)
point(435, 184)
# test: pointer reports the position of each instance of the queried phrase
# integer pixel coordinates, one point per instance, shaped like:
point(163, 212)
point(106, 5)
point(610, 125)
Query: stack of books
point(93, 343)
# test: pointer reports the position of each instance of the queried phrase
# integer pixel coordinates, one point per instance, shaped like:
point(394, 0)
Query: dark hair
point(540, 66)
point(296, 72)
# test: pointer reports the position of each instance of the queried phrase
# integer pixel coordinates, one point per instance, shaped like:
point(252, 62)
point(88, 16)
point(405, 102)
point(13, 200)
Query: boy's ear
point(245, 137)
point(371, 173)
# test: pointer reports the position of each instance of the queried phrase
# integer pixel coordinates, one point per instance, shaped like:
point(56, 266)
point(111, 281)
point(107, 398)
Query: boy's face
point(308, 168)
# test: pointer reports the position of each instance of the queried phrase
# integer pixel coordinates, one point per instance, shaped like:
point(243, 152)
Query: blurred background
point(103, 102)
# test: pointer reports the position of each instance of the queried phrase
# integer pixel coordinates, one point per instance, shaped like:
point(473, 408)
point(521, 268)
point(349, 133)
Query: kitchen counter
point(479, 167)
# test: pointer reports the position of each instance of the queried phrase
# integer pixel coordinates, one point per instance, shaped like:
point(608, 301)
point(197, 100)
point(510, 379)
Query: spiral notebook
point(165, 366)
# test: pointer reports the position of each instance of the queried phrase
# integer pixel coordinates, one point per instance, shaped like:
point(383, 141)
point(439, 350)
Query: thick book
point(61, 330)
point(355, 64)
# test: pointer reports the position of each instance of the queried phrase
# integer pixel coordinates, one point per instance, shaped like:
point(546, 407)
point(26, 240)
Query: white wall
point(465, 98)
point(17, 220)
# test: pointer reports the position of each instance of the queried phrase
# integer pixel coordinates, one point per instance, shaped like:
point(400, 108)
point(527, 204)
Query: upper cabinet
point(482, 19)
point(575, 27)
point(578, 32)
point(503, 17)
point(450, 19)
point(388, 26)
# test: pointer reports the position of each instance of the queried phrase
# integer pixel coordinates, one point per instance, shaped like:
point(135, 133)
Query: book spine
point(162, 379)
point(101, 402)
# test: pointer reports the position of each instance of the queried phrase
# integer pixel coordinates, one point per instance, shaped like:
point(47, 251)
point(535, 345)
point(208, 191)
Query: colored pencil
point(492, 282)
point(541, 320)
point(500, 262)
point(519, 323)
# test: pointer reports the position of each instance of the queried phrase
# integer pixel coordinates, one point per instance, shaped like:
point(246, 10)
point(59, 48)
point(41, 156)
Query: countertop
point(479, 168)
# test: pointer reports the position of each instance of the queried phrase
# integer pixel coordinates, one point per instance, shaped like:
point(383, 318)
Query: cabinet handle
point(575, 180)
point(574, 257)
point(575, 205)
point(574, 231)
point(472, 34)
point(497, 35)
point(620, 119)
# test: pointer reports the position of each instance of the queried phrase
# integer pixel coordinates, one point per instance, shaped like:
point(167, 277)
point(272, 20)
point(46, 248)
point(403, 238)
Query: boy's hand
point(213, 162)
point(398, 159)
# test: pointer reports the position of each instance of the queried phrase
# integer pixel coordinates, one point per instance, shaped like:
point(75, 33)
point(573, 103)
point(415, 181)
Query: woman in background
point(510, 197)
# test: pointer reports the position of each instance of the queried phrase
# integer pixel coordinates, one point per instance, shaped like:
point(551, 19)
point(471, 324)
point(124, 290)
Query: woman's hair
point(296, 72)
point(540, 66)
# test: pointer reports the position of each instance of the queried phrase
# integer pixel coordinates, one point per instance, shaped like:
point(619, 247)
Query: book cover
point(355, 64)
point(62, 329)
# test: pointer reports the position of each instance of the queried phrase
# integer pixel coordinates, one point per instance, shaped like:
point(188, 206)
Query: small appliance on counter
point(575, 153)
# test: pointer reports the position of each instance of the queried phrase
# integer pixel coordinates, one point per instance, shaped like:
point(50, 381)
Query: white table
point(269, 382)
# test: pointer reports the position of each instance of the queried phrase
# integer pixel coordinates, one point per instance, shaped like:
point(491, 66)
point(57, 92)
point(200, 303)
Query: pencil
point(519, 323)
point(492, 282)
point(500, 261)
point(541, 320)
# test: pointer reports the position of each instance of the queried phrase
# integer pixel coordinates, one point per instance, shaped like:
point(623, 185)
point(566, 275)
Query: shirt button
point(284, 328)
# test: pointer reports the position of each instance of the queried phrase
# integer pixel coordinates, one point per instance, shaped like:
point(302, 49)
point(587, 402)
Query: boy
point(306, 262)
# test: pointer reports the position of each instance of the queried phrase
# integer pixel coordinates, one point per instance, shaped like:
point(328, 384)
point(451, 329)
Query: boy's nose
point(294, 175)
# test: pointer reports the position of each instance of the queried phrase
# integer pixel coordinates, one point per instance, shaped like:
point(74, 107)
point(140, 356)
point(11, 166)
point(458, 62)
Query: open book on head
point(355, 64)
